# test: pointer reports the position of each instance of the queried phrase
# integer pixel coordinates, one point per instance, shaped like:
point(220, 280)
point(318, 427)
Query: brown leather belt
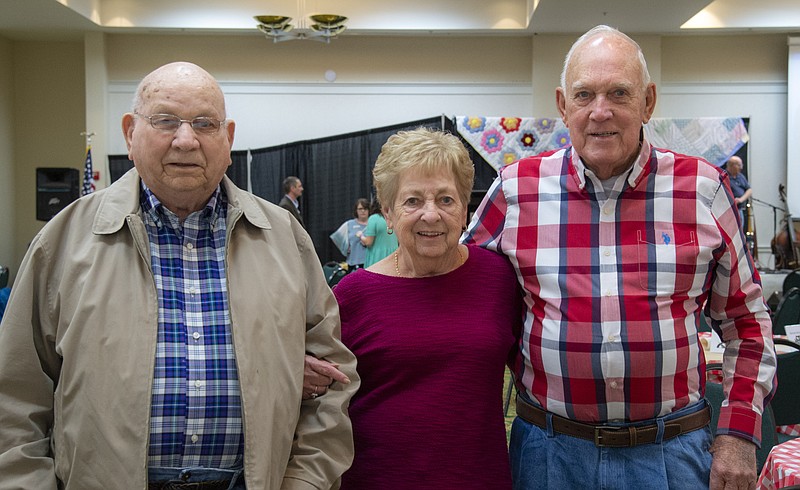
point(611, 436)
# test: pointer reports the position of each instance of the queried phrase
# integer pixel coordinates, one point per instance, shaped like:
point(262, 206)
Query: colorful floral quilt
point(503, 140)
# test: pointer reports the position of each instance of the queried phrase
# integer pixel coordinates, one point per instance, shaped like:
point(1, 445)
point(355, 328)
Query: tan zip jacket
point(78, 339)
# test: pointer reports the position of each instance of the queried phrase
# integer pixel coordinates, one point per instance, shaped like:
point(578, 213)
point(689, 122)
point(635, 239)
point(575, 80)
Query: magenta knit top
point(431, 355)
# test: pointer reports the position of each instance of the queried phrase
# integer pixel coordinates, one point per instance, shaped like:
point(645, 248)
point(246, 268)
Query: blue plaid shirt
point(196, 416)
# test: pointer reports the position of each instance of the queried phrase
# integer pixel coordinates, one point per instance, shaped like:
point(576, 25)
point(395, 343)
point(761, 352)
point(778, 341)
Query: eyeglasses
point(171, 122)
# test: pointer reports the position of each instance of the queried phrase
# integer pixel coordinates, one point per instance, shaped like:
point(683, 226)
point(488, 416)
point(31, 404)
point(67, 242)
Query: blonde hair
point(426, 150)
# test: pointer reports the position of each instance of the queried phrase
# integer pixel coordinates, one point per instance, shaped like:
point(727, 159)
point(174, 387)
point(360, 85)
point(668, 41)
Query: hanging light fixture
point(323, 28)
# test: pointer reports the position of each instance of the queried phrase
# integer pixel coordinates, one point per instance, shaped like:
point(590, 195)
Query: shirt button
point(607, 253)
point(195, 438)
point(613, 385)
point(608, 293)
point(189, 246)
point(612, 338)
point(192, 290)
point(607, 211)
point(198, 384)
point(196, 335)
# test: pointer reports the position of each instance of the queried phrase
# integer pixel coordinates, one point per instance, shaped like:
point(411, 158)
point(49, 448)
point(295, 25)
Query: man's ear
point(127, 130)
point(649, 102)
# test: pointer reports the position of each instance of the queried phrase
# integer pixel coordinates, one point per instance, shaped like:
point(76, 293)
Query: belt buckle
point(598, 438)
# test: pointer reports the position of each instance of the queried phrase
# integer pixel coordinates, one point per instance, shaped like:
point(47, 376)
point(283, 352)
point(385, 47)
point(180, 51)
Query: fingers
point(318, 375)
point(314, 391)
point(733, 464)
point(321, 370)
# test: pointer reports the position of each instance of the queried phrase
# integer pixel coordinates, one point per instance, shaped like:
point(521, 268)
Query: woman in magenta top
point(432, 326)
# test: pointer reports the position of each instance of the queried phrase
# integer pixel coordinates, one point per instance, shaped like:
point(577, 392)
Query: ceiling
point(70, 19)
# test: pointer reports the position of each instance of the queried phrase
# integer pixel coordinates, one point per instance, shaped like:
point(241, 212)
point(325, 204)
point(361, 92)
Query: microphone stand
point(775, 210)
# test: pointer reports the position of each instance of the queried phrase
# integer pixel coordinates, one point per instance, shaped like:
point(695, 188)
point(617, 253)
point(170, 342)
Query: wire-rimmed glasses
point(171, 122)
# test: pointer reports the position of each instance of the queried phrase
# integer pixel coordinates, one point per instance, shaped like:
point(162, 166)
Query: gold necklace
point(397, 260)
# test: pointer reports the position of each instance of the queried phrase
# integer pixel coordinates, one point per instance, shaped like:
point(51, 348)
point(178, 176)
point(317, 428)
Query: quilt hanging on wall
point(503, 140)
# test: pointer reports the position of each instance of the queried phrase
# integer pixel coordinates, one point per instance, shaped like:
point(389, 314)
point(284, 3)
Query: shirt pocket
point(667, 261)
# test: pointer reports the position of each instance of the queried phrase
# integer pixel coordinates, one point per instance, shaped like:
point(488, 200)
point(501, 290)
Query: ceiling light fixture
point(324, 27)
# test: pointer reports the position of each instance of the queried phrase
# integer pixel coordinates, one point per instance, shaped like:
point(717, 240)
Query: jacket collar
point(121, 199)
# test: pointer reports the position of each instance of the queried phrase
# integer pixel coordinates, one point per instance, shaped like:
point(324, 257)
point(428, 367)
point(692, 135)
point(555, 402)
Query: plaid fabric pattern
point(196, 415)
point(613, 285)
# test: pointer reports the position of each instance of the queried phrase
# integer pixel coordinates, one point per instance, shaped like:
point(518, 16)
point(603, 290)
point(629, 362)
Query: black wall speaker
point(55, 188)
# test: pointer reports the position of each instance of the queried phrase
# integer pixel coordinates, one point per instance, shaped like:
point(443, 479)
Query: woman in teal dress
point(379, 240)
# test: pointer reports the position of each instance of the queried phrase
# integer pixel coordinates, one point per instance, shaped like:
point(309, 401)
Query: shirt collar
point(635, 172)
point(151, 206)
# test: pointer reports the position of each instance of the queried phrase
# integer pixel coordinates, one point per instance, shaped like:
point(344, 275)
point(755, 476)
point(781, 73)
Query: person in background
point(157, 331)
point(377, 237)
point(739, 186)
point(432, 326)
point(348, 236)
point(292, 189)
point(618, 244)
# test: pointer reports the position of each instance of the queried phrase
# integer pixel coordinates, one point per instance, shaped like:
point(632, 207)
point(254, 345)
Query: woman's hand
point(319, 375)
point(367, 240)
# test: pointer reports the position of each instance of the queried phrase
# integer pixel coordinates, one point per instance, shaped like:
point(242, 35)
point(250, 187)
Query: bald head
point(734, 165)
point(611, 34)
point(178, 74)
point(182, 163)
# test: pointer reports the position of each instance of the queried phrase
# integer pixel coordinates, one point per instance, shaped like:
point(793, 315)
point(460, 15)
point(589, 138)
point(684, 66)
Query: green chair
point(786, 402)
point(769, 438)
point(792, 280)
point(333, 273)
point(787, 313)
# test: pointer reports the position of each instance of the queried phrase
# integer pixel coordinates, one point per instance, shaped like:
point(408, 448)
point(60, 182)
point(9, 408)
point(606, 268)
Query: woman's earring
point(389, 231)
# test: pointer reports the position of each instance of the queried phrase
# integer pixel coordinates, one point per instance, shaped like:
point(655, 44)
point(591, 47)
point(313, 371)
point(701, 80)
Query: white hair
point(603, 30)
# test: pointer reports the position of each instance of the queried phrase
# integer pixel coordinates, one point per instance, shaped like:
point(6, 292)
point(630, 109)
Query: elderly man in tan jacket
point(156, 332)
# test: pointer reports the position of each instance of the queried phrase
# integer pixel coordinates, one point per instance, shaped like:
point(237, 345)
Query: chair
point(769, 438)
point(334, 273)
point(787, 313)
point(786, 402)
point(792, 280)
point(704, 325)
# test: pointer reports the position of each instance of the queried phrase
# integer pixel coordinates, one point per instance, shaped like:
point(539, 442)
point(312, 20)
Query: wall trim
point(271, 88)
point(717, 88)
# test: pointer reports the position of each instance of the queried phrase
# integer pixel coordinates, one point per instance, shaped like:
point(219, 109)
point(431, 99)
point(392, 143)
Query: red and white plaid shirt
point(614, 285)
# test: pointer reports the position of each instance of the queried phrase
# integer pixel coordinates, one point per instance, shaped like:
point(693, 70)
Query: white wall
point(269, 114)
point(765, 105)
point(793, 127)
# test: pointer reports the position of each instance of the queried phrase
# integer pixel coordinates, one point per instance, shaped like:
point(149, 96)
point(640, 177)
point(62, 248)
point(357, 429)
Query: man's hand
point(318, 375)
point(733, 464)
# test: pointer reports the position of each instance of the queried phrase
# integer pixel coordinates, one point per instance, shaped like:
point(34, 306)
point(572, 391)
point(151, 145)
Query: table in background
point(782, 468)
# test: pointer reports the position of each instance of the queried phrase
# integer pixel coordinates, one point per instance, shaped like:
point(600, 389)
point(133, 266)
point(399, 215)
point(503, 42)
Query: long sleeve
point(29, 368)
point(739, 315)
point(323, 444)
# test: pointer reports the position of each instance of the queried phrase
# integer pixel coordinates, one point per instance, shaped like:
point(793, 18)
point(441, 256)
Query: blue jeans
point(194, 475)
point(542, 459)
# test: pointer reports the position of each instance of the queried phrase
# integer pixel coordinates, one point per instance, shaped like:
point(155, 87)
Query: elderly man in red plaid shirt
point(619, 246)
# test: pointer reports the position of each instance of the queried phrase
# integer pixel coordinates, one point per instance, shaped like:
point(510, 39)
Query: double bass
point(781, 244)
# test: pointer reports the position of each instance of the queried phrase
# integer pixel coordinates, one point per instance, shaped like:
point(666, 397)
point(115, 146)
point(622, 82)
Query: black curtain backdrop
point(335, 172)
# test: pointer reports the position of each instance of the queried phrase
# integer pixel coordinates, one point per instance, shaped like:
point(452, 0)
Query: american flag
point(88, 173)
